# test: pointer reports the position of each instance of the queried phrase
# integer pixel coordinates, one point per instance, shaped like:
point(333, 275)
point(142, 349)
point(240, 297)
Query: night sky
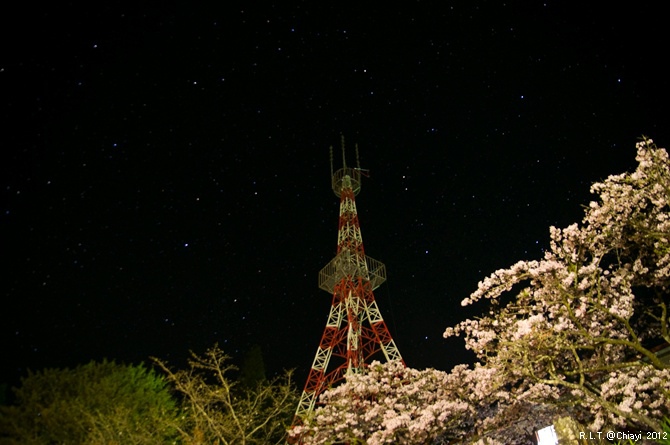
point(166, 180)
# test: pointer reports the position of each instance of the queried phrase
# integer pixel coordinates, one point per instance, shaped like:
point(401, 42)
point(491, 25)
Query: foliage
point(97, 403)
point(252, 370)
point(218, 410)
point(665, 432)
point(579, 333)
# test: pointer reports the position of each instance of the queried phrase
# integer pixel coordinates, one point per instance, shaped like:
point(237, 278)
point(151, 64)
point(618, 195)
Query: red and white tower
point(355, 332)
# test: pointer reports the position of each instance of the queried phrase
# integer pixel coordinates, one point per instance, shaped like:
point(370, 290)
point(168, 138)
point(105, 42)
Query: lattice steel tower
point(355, 332)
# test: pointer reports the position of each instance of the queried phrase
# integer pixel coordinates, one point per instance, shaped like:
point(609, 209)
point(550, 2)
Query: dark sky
point(165, 167)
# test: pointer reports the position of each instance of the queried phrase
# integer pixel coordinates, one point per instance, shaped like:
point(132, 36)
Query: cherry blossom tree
point(389, 403)
point(578, 328)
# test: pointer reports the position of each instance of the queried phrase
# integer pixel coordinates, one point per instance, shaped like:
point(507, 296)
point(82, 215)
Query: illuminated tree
point(580, 329)
point(216, 409)
point(97, 403)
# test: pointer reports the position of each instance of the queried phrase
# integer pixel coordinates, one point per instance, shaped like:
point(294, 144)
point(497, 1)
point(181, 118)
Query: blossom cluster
point(390, 403)
point(635, 391)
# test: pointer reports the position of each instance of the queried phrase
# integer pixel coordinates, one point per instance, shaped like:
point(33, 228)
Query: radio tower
point(355, 332)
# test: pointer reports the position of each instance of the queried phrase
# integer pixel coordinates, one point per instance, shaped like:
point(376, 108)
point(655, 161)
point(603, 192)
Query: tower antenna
point(355, 332)
point(358, 161)
point(331, 161)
